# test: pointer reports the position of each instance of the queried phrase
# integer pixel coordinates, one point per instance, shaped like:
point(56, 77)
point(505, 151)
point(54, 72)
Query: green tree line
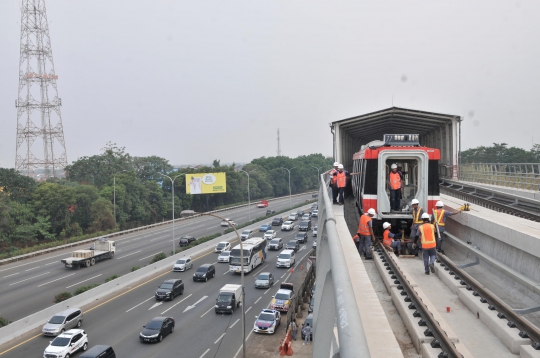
point(83, 203)
point(501, 153)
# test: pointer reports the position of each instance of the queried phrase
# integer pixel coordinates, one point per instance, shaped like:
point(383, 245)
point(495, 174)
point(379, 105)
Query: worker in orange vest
point(333, 182)
point(365, 233)
point(341, 181)
point(428, 239)
point(395, 185)
point(439, 219)
point(390, 240)
point(417, 213)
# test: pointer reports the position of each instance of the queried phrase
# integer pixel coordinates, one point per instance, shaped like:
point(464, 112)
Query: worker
point(341, 182)
point(395, 185)
point(417, 213)
point(333, 184)
point(390, 240)
point(439, 219)
point(365, 232)
point(428, 239)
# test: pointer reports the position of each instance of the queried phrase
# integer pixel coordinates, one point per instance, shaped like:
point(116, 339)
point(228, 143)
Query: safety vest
point(428, 236)
point(363, 225)
point(341, 179)
point(333, 179)
point(416, 216)
point(395, 181)
point(439, 217)
point(387, 240)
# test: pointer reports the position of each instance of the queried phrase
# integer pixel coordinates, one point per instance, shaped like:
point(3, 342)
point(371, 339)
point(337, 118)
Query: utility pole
point(40, 133)
point(278, 144)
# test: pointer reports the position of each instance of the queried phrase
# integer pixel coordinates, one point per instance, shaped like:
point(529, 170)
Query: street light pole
point(289, 170)
point(318, 172)
point(249, 199)
point(172, 184)
point(114, 196)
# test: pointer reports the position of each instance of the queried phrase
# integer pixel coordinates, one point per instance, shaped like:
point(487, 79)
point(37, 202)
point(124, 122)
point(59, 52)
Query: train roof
point(373, 152)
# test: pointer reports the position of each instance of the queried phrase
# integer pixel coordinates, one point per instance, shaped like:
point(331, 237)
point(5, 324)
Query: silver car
point(224, 256)
point(264, 280)
point(63, 321)
point(183, 264)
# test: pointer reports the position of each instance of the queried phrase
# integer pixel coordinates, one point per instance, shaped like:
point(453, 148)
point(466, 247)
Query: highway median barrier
point(62, 297)
point(158, 257)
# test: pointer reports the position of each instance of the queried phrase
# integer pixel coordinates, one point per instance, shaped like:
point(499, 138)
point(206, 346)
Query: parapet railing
point(513, 175)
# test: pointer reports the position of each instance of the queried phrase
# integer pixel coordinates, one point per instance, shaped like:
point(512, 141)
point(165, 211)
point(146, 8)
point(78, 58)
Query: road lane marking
point(139, 304)
point(283, 274)
point(195, 304)
point(133, 253)
point(33, 268)
point(150, 256)
point(185, 298)
point(46, 283)
point(248, 309)
point(226, 272)
point(258, 299)
point(88, 279)
point(26, 279)
point(214, 263)
point(239, 349)
point(235, 322)
point(260, 270)
point(206, 351)
point(158, 238)
point(217, 340)
point(211, 308)
point(13, 274)
point(265, 292)
point(156, 305)
point(50, 263)
point(31, 263)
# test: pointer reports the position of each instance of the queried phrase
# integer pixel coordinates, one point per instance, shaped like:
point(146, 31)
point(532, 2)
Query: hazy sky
point(194, 81)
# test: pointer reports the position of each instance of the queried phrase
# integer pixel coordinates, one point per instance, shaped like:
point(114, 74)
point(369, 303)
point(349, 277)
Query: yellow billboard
point(208, 183)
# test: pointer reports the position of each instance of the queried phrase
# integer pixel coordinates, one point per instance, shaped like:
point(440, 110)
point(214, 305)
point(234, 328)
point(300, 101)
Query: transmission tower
point(278, 144)
point(39, 122)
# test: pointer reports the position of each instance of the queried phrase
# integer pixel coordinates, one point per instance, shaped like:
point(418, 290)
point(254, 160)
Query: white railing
point(513, 175)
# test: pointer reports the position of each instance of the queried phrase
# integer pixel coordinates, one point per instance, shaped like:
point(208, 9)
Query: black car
point(186, 240)
point(204, 272)
point(170, 289)
point(301, 237)
point(300, 213)
point(305, 225)
point(293, 245)
point(270, 212)
point(156, 329)
point(309, 319)
point(277, 221)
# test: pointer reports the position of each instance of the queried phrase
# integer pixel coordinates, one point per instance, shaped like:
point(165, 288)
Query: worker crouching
point(391, 240)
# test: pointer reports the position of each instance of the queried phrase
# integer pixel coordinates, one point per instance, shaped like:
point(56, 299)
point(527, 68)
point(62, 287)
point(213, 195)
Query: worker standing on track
point(388, 238)
point(341, 181)
point(333, 183)
point(417, 213)
point(365, 232)
point(395, 185)
point(428, 239)
point(439, 219)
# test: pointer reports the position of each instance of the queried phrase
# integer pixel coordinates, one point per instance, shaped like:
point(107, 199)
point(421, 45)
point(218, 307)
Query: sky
point(194, 81)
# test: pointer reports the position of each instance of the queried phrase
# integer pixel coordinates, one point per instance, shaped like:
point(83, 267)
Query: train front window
point(402, 183)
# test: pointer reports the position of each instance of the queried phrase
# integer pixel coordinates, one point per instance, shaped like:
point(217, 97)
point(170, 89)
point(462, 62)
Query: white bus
point(254, 255)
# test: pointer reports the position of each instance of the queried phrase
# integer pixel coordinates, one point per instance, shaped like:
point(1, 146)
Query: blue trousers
point(395, 196)
point(365, 243)
point(440, 239)
point(413, 251)
point(429, 257)
point(341, 191)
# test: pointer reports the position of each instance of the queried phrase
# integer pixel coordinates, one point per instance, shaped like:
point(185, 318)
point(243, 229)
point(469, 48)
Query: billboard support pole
point(249, 198)
point(172, 185)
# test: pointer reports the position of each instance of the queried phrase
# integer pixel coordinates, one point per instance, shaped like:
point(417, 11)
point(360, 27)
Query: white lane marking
point(139, 304)
point(50, 263)
point(32, 263)
point(133, 253)
point(13, 274)
point(258, 299)
point(185, 298)
point(226, 272)
point(158, 238)
point(211, 308)
point(214, 263)
point(26, 279)
point(150, 256)
point(239, 349)
point(265, 292)
point(283, 274)
point(248, 309)
point(235, 322)
point(195, 304)
point(217, 340)
point(33, 268)
point(46, 283)
point(156, 304)
point(206, 351)
point(88, 279)
point(260, 270)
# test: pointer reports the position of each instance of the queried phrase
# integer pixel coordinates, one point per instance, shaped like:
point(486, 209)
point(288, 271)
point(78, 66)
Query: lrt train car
point(421, 177)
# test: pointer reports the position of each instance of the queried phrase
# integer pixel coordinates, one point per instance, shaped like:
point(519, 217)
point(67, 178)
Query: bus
point(254, 255)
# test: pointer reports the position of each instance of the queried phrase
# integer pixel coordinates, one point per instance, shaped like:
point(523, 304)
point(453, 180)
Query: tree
point(148, 168)
point(56, 201)
point(17, 186)
point(101, 215)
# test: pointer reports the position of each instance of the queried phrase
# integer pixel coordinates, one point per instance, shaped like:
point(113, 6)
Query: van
point(99, 352)
point(60, 322)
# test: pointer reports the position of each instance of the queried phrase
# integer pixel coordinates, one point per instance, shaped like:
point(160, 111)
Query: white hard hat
point(415, 201)
point(425, 216)
point(336, 164)
point(394, 166)
point(371, 211)
point(386, 225)
point(340, 166)
point(439, 204)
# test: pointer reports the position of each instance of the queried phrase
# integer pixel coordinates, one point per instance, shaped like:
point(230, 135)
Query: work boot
point(432, 268)
point(427, 273)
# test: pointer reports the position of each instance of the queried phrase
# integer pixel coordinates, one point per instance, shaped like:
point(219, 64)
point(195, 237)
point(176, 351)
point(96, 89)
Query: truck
point(263, 204)
point(100, 250)
point(229, 298)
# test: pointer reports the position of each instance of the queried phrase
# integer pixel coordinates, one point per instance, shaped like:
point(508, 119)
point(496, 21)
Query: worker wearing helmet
point(439, 219)
point(395, 185)
point(365, 233)
point(341, 182)
point(428, 239)
point(333, 185)
point(417, 213)
point(391, 240)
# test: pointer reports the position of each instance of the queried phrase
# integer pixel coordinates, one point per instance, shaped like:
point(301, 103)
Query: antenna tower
point(278, 144)
point(39, 122)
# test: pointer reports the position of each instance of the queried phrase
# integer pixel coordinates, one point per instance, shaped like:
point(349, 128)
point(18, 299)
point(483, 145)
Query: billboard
point(208, 183)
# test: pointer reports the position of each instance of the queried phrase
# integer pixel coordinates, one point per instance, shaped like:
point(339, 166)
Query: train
point(420, 166)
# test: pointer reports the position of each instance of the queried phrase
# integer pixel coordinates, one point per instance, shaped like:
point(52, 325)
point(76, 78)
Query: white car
point(183, 264)
point(67, 343)
point(286, 259)
point(315, 231)
point(315, 213)
point(246, 234)
point(293, 217)
point(270, 234)
point(225, 223)
point(267, 321)
point(287, 225)
point(224, 256)
point(223, 246)
point(306, 217)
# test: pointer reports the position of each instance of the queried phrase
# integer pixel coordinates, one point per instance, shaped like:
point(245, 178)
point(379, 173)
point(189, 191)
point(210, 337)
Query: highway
point(30, 285)
point(199, 332)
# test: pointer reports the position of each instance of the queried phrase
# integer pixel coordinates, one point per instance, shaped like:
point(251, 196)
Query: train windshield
point(402, 183)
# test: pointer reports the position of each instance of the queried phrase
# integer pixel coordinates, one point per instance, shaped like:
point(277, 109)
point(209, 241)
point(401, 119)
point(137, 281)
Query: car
point(67, 343)
point(225, 223)
point(270, 212)
point(265, 227)
point(99, 351)
point(204, 272)
point(305, 225)
point(293, 245)
point(315, 213)
point(156, 329)
point(183, 264)
point(223, 246)
point(62, 321)
point(277, 221)
point(275, 244)
point(270, 234)
point(267, 322)
point(306, 217)
point(286, 258)
point(309, 319)
point(264, 280)
point(246, 234)
point(224, 256)
point(301, 237)
point(300, 213)
point(263, 204)
point(283, 299)
point(315, 231)
point(287, 226)
point(169, 289)
point(314, 245)
point(293, 217)
point(186, 240)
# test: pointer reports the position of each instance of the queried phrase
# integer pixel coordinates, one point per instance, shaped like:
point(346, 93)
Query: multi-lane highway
point(30, 285)
point(200, 332)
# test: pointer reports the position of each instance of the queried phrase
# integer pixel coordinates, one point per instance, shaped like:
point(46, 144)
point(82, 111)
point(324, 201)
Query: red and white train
point(420, 166)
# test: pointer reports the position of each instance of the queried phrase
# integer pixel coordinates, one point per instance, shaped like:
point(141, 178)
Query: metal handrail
point(516, 175)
